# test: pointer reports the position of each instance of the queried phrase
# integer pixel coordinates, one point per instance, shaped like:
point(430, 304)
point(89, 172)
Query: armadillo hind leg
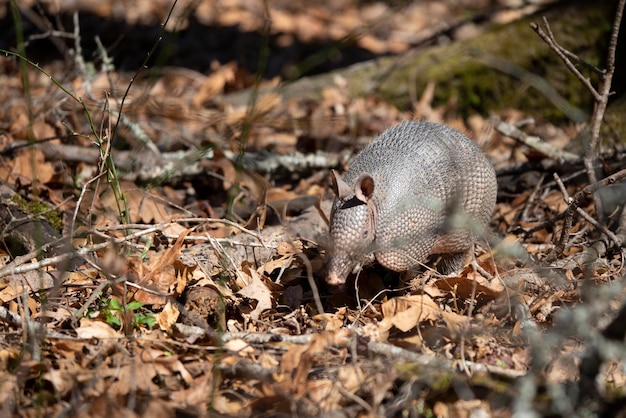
point(453, 262)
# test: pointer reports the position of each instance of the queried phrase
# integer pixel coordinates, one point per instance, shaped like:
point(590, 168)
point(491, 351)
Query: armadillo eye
point(365, 234)
point(352, 203)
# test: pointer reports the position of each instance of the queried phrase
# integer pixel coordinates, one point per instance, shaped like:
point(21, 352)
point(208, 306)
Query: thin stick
point(601, 98)
point(585, 215)
point(574, 203)
point(548, 38)
point(81, 252)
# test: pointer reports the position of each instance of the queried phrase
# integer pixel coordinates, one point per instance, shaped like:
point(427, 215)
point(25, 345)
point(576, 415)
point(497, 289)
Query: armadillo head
point(352, 226)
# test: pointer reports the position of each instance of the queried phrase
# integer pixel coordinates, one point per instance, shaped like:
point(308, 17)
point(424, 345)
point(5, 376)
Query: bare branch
point(574, 204)
point(571, 55)
point(558, 50)
point(606, 231)
point(591, 149)
point(601, 98)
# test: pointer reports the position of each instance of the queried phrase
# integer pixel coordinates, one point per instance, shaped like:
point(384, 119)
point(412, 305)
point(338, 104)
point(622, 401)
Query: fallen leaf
point(31, 165)
point(298, 360)
point(162, 275)
point(239, 347)
point(466, 287)
point(258, 291)
point(168, 316)
point(406, 312)
point(90, 328)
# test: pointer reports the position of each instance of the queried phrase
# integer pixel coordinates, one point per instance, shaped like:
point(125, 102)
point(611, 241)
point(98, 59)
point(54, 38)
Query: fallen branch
point(536, 143)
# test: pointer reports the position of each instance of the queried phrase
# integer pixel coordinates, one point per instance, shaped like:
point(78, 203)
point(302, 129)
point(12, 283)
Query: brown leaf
point(298, 360)
point(258, 291)
point(201, 391)
point(95, 329)
point(215, 83)
point(280, 263)
point(28, 166)
point(168, 316)
point(143, 206)
point(162, 275)
point(465, 287)
point(407, 311)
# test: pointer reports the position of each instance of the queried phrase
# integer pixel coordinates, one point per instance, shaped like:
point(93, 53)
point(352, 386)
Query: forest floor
point(164, 246)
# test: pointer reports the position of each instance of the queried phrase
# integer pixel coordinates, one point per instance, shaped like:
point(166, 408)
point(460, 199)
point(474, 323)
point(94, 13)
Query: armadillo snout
point(351, 233)
point(339, 267)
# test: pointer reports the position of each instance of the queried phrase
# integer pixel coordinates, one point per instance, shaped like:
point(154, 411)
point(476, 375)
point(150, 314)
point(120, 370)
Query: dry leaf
point(465, 287)
point(28, 166)
point(240, 347)
point(298, 360)
point(143, 206)
point(215, 83)
point(407, 311)
point(162, 275)
point(95, 329)
point(168, 316)
point(258, 291)
point(201, 391)
point(324, 393)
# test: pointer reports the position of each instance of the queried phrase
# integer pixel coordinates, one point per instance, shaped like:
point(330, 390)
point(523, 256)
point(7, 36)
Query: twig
point(17, 267)
point(81, 252)
point(79, 202)
point(224, 221)
point(14, 320)
point(309, 276)
point(564, 55)
point(441, 364)
point(477, 267)
point(225, 259)
point(534, 142)
point(591, 148)
point(352, 397)
point(532, 197)
point(586, 216)
point(385, 349)
point(574, 203)
point(601, 98)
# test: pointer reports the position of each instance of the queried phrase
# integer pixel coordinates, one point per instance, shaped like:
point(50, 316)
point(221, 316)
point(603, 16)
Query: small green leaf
point(133, 306)
point(112, 319)
point(115, 305)
point(148, 320)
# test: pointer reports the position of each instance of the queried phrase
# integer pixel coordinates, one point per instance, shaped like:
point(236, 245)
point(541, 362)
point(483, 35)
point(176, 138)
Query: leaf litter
point(238, 329)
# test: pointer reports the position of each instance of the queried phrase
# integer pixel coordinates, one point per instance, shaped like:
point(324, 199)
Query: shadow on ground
point(195, 47)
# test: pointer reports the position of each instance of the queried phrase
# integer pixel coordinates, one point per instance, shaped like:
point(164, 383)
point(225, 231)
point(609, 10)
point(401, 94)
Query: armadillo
point(419, 189)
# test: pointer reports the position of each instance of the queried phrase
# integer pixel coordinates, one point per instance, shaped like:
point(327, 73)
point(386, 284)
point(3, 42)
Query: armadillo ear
point(364, 187)
point(340, 187)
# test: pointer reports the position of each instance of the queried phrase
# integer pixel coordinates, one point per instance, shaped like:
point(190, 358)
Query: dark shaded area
point(619, 77)
point(195, 47)
point(199, 45)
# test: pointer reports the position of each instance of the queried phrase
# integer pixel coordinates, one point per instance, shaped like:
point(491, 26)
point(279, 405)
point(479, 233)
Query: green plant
point(114, 310)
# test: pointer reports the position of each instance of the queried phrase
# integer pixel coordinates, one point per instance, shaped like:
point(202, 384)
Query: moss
point(439, 382)
point(53, 217)
point(503, 67)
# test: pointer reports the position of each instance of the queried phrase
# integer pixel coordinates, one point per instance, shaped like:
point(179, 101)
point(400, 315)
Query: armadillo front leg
point(399, 260)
